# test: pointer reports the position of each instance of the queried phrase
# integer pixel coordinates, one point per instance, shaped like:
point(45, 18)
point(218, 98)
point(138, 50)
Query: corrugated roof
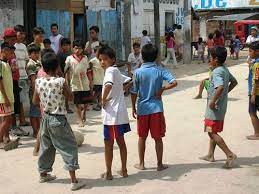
point(233, 17)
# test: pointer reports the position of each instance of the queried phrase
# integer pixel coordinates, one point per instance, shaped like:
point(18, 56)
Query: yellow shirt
point(255, 81)
point(6, 76)
point(98, 72)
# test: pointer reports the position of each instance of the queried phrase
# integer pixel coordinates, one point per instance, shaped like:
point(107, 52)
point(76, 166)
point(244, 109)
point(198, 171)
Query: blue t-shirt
point(220, 77)
point(148, 80)
point(250, 76)
point(237, 43)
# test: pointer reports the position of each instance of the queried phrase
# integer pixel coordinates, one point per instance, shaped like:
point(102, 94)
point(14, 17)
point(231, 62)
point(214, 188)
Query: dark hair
point(144, 32)
point(218, 34)
point(210, 36)
point(95, 28)
point(49, 62)
point(19, 28)
point(33, 48)
point(254, 46)
point(179, 27)
point(46, 41)
point(200, 40)
point(78, 43)
point(220, 53)
point(108, 51)
point(5, 45)
point(54, 25)
point(149, 53)
point(65, 41)
point(47, 50)
point(38, 30)
point(136, 44)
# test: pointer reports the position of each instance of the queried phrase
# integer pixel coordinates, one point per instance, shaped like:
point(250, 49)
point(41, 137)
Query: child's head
point(144, 33)
point(218, 56)
point(254, 31)
point(136, 47)
point(210, 36)
point(47, 43)
point(20, 33)
point(50, 62)
point(65, 45)
point(78, 47)
point(54, 29)
point(94, 31)
point(10, 36)
point(237, 37)
point(254, 50)
point(107, 56)
point(200, 40)
point(46, 50)
point(38, 35)
point(179, 27)
point(34, 52)
point(7, 51)
point(149, 53)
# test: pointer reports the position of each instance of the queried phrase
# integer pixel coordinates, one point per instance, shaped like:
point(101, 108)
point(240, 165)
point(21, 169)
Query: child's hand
point(159, 93)
point(134, 113)
point(253, 99)
point(213, 105)
point(104, 102)
point(7, 102)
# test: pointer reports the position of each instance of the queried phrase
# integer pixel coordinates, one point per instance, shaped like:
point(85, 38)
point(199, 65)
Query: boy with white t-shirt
point(115, 115)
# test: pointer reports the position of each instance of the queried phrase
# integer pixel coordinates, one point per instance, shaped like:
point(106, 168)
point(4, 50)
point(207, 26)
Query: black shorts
point(82, 97)
point(16, 94)
point(98, 89)
point(253, 108)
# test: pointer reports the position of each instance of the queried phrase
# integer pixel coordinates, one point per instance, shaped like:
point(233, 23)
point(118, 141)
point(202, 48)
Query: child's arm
point(233, 83)
point(172, 83)
point(67, 92)
point(106, 92)
point(36, 98)
point(134, 95)
point(33, 78)
point(215, 98)
point(2, 90)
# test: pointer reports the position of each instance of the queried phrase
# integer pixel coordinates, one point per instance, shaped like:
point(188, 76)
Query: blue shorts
point(253, 108)
point(112, 132)
point(35, 111)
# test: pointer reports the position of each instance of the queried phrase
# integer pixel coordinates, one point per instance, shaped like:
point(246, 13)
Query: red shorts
point(155, 123)
point(213, 126)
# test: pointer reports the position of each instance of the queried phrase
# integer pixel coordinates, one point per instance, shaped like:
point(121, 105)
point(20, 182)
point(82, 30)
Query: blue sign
point(210, 4)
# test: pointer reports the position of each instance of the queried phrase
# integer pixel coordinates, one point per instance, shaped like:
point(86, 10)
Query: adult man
point(55, 38)
point(254, 36)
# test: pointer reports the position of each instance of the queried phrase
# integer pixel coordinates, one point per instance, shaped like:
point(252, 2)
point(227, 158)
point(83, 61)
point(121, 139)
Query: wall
point(97, 5)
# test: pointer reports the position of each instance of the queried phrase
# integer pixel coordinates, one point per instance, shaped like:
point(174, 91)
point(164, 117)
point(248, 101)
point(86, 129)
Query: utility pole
point(127, 28)
point(157, 24)
point(29, 12)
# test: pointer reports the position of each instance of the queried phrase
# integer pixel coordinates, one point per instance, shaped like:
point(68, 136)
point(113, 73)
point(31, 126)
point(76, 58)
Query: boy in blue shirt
point(148, 88)
point(221, 83)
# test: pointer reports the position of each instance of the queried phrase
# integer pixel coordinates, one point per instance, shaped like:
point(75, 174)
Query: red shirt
point(15, 72)
point(219, 41)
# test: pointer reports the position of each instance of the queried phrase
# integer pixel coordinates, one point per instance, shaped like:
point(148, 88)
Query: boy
point(56, 133)
point(22, 59)
point(93, 43)
point(38, 36)
point(98, 75)
point(47, 43)
point(253, 89)
point(145, 39)
point(32, 69)
point(135, 59)
point(76, 68)
point(62, 55)
point(221, 83)
point(115, 115)
point(6, 98)
point(148, 87)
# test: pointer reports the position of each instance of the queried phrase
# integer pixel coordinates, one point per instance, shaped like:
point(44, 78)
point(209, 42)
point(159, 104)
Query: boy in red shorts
point(148, 87)
point(221, 83)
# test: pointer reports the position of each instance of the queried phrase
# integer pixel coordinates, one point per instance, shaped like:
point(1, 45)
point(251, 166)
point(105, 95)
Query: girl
point(170, 43)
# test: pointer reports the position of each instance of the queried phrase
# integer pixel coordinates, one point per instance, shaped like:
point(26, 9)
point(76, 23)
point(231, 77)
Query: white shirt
point(145, 40)
point(115, 111)
point(98, 72)
point(21, 59)
point(135, 61)
point(51, 95)
point(251, 39)
point(55, 42)
point(92, 46)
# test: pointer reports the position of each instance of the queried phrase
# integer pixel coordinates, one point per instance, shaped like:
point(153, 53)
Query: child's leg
point(210, 156)
point(141, 151)
point(4, 128)
point(159, 153)
point(108, 159)
point(79, 113)
point(174, 57)
point(255, 122)
point(123, 153)
point(201, 87)
point(35, 125)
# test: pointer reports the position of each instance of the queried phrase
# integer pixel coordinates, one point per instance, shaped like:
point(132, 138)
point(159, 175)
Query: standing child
point(47, 43)
point(6, 98)
point(38, 37)
point(237, 46)
point(210, 44)
point(201, 49)
point(145, 38)
point(134, 59)
point(221, 83)
point(253, 89)
point(32, 69)
point(148, 87)
point(56, 133)
point(98, 75)
point(115, 115)
point(170, 45)
point(232, 49)
point(93, 43)
point(76, 68)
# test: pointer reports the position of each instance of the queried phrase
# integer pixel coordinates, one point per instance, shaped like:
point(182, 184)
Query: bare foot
point(197, 97)
point(35, 152)
point(162, 167)
point(140, 166)
point(208, 158)
point(230, 161)
point(253, 137)
point(124, 173)
point(107, 176)
point(82, 124)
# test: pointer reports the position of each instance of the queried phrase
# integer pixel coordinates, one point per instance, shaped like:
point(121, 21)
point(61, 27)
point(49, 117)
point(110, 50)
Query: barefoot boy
point(56, 133)
point(221, 83)
point(115, 115)
point(148, 87)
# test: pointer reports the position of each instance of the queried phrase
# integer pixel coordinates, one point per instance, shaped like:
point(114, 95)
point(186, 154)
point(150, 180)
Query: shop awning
point(234, 17)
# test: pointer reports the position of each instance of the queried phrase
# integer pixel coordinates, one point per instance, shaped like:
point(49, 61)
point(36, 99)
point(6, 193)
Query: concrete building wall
point(97, 5)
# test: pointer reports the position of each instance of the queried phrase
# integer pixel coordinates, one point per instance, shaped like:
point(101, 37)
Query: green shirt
point(6, 77)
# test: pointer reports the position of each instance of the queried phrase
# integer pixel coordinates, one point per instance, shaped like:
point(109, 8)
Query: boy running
point(148, 87)
point(115, 115)
point(56, 133)
point(221, 83)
